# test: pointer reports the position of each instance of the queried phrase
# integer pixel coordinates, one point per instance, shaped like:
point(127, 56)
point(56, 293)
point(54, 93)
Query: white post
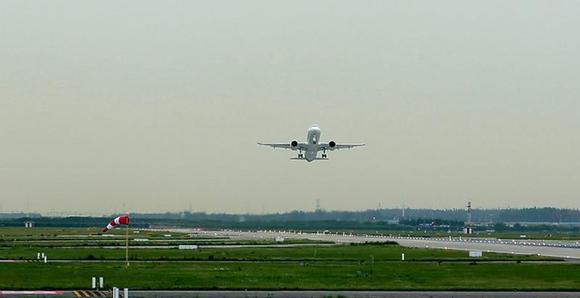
point(115, 292)
point(42, 255)
point(125, 293)
point(45, 261)
point(402, 256)
point(38, 256)
point(93, 282)
point(101, 282)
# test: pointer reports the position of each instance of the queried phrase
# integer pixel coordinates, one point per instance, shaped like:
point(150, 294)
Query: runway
point(549, 248)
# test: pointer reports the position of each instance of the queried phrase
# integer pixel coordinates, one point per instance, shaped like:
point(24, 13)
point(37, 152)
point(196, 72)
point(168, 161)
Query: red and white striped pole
point(127, 243)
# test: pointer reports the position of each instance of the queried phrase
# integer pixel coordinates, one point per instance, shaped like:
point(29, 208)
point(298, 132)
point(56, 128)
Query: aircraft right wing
point(334, 146)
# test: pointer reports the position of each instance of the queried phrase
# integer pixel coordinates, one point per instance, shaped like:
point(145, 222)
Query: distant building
point(29, 224)
point(394, 221)
point(15, 215)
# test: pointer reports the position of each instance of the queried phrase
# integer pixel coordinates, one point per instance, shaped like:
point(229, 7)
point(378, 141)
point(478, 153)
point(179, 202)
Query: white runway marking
point(19, 293)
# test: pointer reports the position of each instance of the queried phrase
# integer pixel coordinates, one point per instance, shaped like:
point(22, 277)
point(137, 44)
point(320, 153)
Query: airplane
point(312, 145)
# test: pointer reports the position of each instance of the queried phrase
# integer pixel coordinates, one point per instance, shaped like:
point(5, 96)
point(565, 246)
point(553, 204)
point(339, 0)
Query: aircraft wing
point(338, 146)
point(301, 146)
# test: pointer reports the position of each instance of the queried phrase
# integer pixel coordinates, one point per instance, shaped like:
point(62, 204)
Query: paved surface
point(31, 293)
point(202, 245)
point(513, 248)
point(550, 248)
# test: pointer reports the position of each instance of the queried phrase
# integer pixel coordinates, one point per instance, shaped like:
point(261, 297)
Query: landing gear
point(323, 155)
point(300, 155)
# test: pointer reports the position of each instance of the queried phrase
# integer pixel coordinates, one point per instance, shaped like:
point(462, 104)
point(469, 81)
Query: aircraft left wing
point(333, 146)
point(296, 146)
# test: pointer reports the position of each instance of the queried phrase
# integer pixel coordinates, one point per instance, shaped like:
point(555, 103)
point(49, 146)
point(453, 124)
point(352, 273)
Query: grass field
point(47, 233)
point(295, 275)
point(362, 253)
point(340, 267)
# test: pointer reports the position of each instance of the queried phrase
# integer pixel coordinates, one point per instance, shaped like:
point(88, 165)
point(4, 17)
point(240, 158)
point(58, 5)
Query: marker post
point(127, 244)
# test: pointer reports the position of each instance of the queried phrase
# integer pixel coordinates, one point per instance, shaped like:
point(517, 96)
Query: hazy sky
point(107, 106)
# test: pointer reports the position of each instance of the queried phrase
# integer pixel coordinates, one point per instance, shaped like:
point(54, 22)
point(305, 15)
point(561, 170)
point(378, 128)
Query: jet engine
point(332, 145)
point(294, 144)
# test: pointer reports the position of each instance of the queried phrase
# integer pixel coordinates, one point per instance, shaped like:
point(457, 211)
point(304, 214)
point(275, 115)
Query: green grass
point(152, 242)
point(77, 233)
point(58, 243)
point(86, 237)
point(340, 267)
point(295, 275)
point(358, 253)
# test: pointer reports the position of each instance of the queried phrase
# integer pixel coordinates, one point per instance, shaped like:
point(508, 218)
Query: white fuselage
point(309, 150)
point(312, 139)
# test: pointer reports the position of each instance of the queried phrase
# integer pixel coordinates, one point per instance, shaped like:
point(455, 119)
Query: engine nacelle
point(294, 144)
point(331, 145)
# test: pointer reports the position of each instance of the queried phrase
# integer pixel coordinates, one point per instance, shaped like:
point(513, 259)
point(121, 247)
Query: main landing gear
point(324, 154)
point(300, 155)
